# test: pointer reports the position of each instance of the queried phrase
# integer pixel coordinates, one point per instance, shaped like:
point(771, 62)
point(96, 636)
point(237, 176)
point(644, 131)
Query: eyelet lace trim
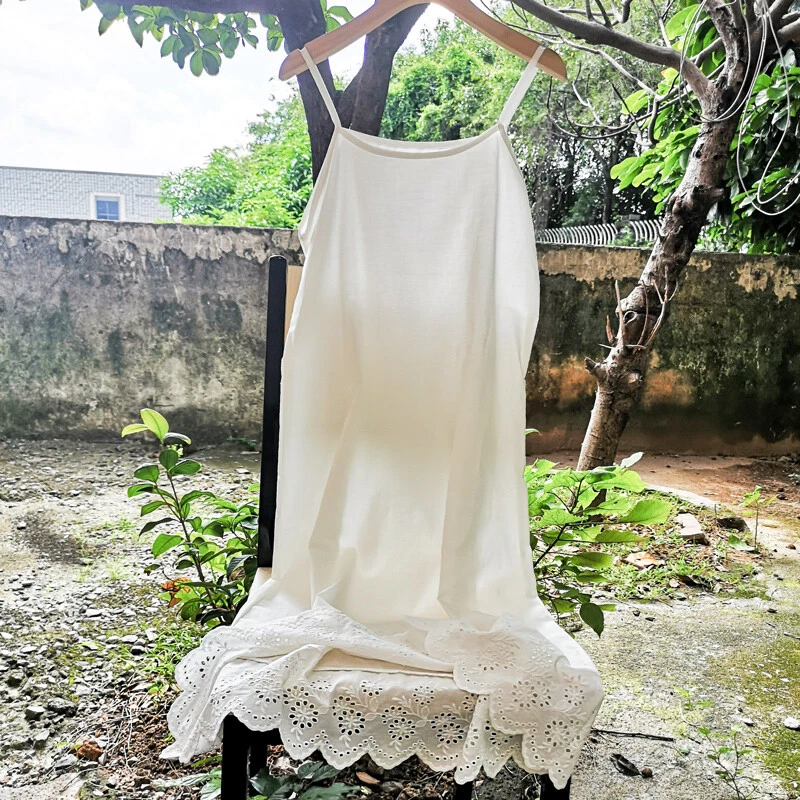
point(512, 695)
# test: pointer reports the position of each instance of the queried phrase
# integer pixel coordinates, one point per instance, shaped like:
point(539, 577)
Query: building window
point(107, 207)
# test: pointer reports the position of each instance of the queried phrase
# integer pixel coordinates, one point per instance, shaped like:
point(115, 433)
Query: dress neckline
point(401, 148)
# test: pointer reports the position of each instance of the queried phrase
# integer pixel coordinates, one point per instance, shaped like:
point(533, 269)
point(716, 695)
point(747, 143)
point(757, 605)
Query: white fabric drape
point(401, 616)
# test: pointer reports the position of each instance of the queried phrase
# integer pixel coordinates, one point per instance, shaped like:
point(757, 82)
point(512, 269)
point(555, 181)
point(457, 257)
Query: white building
point(73, 194)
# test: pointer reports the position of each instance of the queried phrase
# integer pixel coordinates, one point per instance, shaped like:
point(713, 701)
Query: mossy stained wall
point(99, 319)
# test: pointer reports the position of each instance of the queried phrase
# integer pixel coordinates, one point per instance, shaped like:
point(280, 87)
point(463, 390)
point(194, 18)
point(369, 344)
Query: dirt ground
point(79, 617)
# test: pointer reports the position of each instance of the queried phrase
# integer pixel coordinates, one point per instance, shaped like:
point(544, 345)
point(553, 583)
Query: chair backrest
point(293, 273)
point(283, 282)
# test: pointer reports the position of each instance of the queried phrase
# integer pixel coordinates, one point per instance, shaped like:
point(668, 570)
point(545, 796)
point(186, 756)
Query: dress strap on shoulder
point(323, 89)
point(518, 92)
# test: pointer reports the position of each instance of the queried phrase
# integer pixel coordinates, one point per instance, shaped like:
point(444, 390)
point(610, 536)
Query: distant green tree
point(760, 212)
point(264, 184)
point(455, 84)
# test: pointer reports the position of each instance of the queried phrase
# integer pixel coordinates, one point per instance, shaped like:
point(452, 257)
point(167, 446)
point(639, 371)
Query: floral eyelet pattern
point(486, 696)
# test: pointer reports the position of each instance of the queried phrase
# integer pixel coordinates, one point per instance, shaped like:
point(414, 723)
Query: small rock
point(40, 739)
point(733, 523)
point(650, 619)
point(22, 525)
point(792, 723)
point(90, 751)
point(647, 772)
point(66, 762)
point(129, 639)
point(15, 679)
point(391, 787)
point(93, 612)
point(138, 650)
point(34, 712)
point(690, 529)
point(749, 722)
point(772, 610)
point(60, 705)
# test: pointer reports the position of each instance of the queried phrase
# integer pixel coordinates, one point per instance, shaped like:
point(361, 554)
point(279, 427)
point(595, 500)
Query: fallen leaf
point(365, 777)
point(623, 765)
point(643, 559)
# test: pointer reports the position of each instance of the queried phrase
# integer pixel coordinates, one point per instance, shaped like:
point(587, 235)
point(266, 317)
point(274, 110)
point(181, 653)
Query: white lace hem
point(511, 695)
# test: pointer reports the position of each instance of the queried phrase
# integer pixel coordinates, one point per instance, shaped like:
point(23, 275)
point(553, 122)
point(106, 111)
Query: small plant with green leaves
point(756, 500)
point(576, 517)
point(728, 750)
point(312, 780)
point(214, 539)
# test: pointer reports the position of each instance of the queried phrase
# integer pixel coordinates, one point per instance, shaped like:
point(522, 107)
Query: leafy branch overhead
point(201, 37)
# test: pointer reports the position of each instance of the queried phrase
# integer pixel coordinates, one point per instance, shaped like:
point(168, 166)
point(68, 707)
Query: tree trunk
point(621, 376)
point(360, 106)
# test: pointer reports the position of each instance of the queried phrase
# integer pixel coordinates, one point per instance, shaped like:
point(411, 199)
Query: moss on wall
point(98, 319)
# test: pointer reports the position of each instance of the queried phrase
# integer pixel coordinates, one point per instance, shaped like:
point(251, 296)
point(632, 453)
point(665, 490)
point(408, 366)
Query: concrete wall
point(98, 319)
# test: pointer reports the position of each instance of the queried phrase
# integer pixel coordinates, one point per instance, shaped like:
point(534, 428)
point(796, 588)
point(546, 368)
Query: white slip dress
point(401, 616)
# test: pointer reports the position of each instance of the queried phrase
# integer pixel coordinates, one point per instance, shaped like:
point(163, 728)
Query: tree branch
point(230, 6)
point(790, 33)
point(778, 9)
point(595, 33)
point(362, 103)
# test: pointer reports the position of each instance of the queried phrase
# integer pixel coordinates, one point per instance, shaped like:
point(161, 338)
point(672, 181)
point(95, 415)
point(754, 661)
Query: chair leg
point(463, 791)
point(549, 792)
point(235, 754)
point(259, 743)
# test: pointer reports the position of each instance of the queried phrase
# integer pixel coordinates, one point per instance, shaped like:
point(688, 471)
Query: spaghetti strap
point(518, 92)
point(323, 89)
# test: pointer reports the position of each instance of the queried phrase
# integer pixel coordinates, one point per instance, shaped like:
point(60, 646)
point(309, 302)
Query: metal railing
point(638, 231)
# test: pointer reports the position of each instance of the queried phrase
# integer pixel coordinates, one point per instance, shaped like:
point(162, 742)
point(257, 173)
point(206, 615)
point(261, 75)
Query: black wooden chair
point(244, 752)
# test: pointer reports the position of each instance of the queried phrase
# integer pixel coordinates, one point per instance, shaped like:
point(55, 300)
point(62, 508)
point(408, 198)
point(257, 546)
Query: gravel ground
point(79, 618)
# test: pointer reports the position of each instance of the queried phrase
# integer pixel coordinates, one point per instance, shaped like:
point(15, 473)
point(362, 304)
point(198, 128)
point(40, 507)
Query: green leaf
point(617, 537)
point(168, 458)
point(186, 467)
point(149, 472)
point(677, 24)
point(110, 11)
point(211, 61)
point(165, 542)
point(266, 784)
point(196, 63)
point(140, 488)
point(623, 479)
point(104, 25)
point(594, 560)
point(593, 616)
point(168, 45)
point(137, 427)
point(148, 526)
point(148, 508)
point(341, 12)
point(739, 544)
point(155, 422)
point(648, 512)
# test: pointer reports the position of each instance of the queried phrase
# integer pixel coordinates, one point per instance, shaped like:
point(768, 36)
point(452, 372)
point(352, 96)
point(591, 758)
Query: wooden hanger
point(332, 42)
